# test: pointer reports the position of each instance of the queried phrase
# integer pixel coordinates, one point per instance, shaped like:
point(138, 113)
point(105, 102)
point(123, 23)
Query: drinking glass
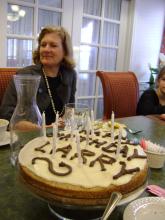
point(81, 111)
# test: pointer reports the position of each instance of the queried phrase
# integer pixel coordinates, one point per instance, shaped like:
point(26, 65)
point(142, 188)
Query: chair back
point(5, 77)
point(120, 93)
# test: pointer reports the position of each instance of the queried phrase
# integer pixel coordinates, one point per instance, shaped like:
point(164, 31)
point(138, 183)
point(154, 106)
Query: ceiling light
point(21, 13)
point(12, 17)
point(15, 8)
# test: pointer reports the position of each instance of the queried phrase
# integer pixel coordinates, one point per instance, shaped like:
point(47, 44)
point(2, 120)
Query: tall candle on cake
point(78, 147)
point(92, 123)
point(72, 124)
point(88, 128)
point(119, 143)
point(55, 136)
point(57, 117)
point(43, 124)
point(112, 125)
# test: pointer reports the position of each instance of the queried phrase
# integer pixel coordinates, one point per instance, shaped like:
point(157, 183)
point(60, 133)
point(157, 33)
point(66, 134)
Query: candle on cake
point(78, 147)
point(88, 128)
point(92, 123)
point(55, 136)
point(43, 124)
point(119, 142)
point(57, 120)
point(57, 117)
point(72, 124)
point(112, 125)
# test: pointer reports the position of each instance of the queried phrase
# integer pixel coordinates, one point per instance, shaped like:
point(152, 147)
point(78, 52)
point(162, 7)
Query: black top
point(54, 83)
point(149, 104)
point(65, 88)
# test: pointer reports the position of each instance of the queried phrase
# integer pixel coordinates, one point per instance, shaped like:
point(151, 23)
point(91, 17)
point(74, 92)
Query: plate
point(6, 140)
point(146, 208)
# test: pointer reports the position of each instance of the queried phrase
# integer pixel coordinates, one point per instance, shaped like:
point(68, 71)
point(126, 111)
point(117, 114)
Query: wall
point(147, 36)
point(162, 50)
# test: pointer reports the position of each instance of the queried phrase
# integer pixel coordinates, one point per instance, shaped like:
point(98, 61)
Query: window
point(98, 47)
point(21, 27)
point(95, 27)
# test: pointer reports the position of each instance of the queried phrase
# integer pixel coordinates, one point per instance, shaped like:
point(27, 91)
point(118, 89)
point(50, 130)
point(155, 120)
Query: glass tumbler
point(81, 111)
point(26, 121)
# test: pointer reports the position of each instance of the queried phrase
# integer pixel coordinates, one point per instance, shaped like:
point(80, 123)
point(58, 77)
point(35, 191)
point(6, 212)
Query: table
point(157, 118)
point(19, 204)
point(152, 127)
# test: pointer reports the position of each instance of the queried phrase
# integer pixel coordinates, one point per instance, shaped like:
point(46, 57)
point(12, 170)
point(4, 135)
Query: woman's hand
point(162, 116)
point(61, 123)
point(26, 126)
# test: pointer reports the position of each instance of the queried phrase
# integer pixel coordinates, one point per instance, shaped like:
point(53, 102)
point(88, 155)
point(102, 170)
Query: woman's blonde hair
point(68, 60)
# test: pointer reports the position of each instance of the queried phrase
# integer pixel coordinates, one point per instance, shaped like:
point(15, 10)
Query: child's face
point(161, 84)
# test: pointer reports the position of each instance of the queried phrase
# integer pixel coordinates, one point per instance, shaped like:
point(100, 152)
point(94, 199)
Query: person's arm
point(9, 101)
point(149, 104)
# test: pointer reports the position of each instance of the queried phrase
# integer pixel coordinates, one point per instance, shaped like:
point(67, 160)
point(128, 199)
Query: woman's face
point(51, 50)
point(161, 84)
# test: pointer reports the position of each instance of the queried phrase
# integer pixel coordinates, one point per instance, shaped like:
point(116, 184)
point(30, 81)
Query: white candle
point(92, 116)
point(119, 142)
point(78, 147)
point(73, 112)
point(92, 123)
point(112, 125)
point(43, 124)
point(72, 127)
point(88, 128)
point(57, 118)
point(55, 130)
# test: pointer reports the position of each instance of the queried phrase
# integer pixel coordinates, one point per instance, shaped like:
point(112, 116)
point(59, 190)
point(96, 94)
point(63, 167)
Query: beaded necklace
point(50, 95)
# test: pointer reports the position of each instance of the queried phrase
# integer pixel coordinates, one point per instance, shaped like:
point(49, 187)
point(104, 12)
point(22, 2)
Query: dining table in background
point(157, 118)
point(17, 203)
point(152, 127)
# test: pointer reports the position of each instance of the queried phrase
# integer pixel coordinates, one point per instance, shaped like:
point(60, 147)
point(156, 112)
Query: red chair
point(5, 76)
point(120, 92)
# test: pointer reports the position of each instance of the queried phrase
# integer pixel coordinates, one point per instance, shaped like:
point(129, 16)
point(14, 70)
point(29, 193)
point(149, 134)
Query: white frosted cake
point(62, 177)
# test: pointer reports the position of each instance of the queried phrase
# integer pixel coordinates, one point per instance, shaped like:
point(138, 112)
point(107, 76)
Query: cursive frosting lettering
point(50, 166)
point(82, 131)
point(108, 149)
point(124, 151)
point(97, 143)
point(117, 136)
point(97, 133)
point(65, 150)
point(84, 153)
point(103, 159)
point(108, 134)
point(82, 138)
point(40, 148)
point(136, 155)
point(125, 171)
point(66, 137)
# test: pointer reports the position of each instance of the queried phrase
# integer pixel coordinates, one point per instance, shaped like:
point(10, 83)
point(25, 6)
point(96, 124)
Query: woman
point(54, 63)
point(153, 101)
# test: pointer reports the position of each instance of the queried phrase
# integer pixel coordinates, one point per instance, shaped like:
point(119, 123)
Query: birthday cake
point(87, 178)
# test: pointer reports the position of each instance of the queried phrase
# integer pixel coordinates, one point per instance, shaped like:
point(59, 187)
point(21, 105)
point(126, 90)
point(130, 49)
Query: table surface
point(18, 203)
point(152, 128)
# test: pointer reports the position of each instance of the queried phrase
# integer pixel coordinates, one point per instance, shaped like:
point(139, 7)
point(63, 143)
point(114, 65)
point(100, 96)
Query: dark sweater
point(149, 104)
point(65, 92)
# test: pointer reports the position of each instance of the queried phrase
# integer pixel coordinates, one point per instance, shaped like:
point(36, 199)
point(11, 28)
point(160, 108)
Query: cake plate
point(75, 212)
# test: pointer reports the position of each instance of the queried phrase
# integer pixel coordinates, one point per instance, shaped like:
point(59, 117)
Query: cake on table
point(62, 177)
